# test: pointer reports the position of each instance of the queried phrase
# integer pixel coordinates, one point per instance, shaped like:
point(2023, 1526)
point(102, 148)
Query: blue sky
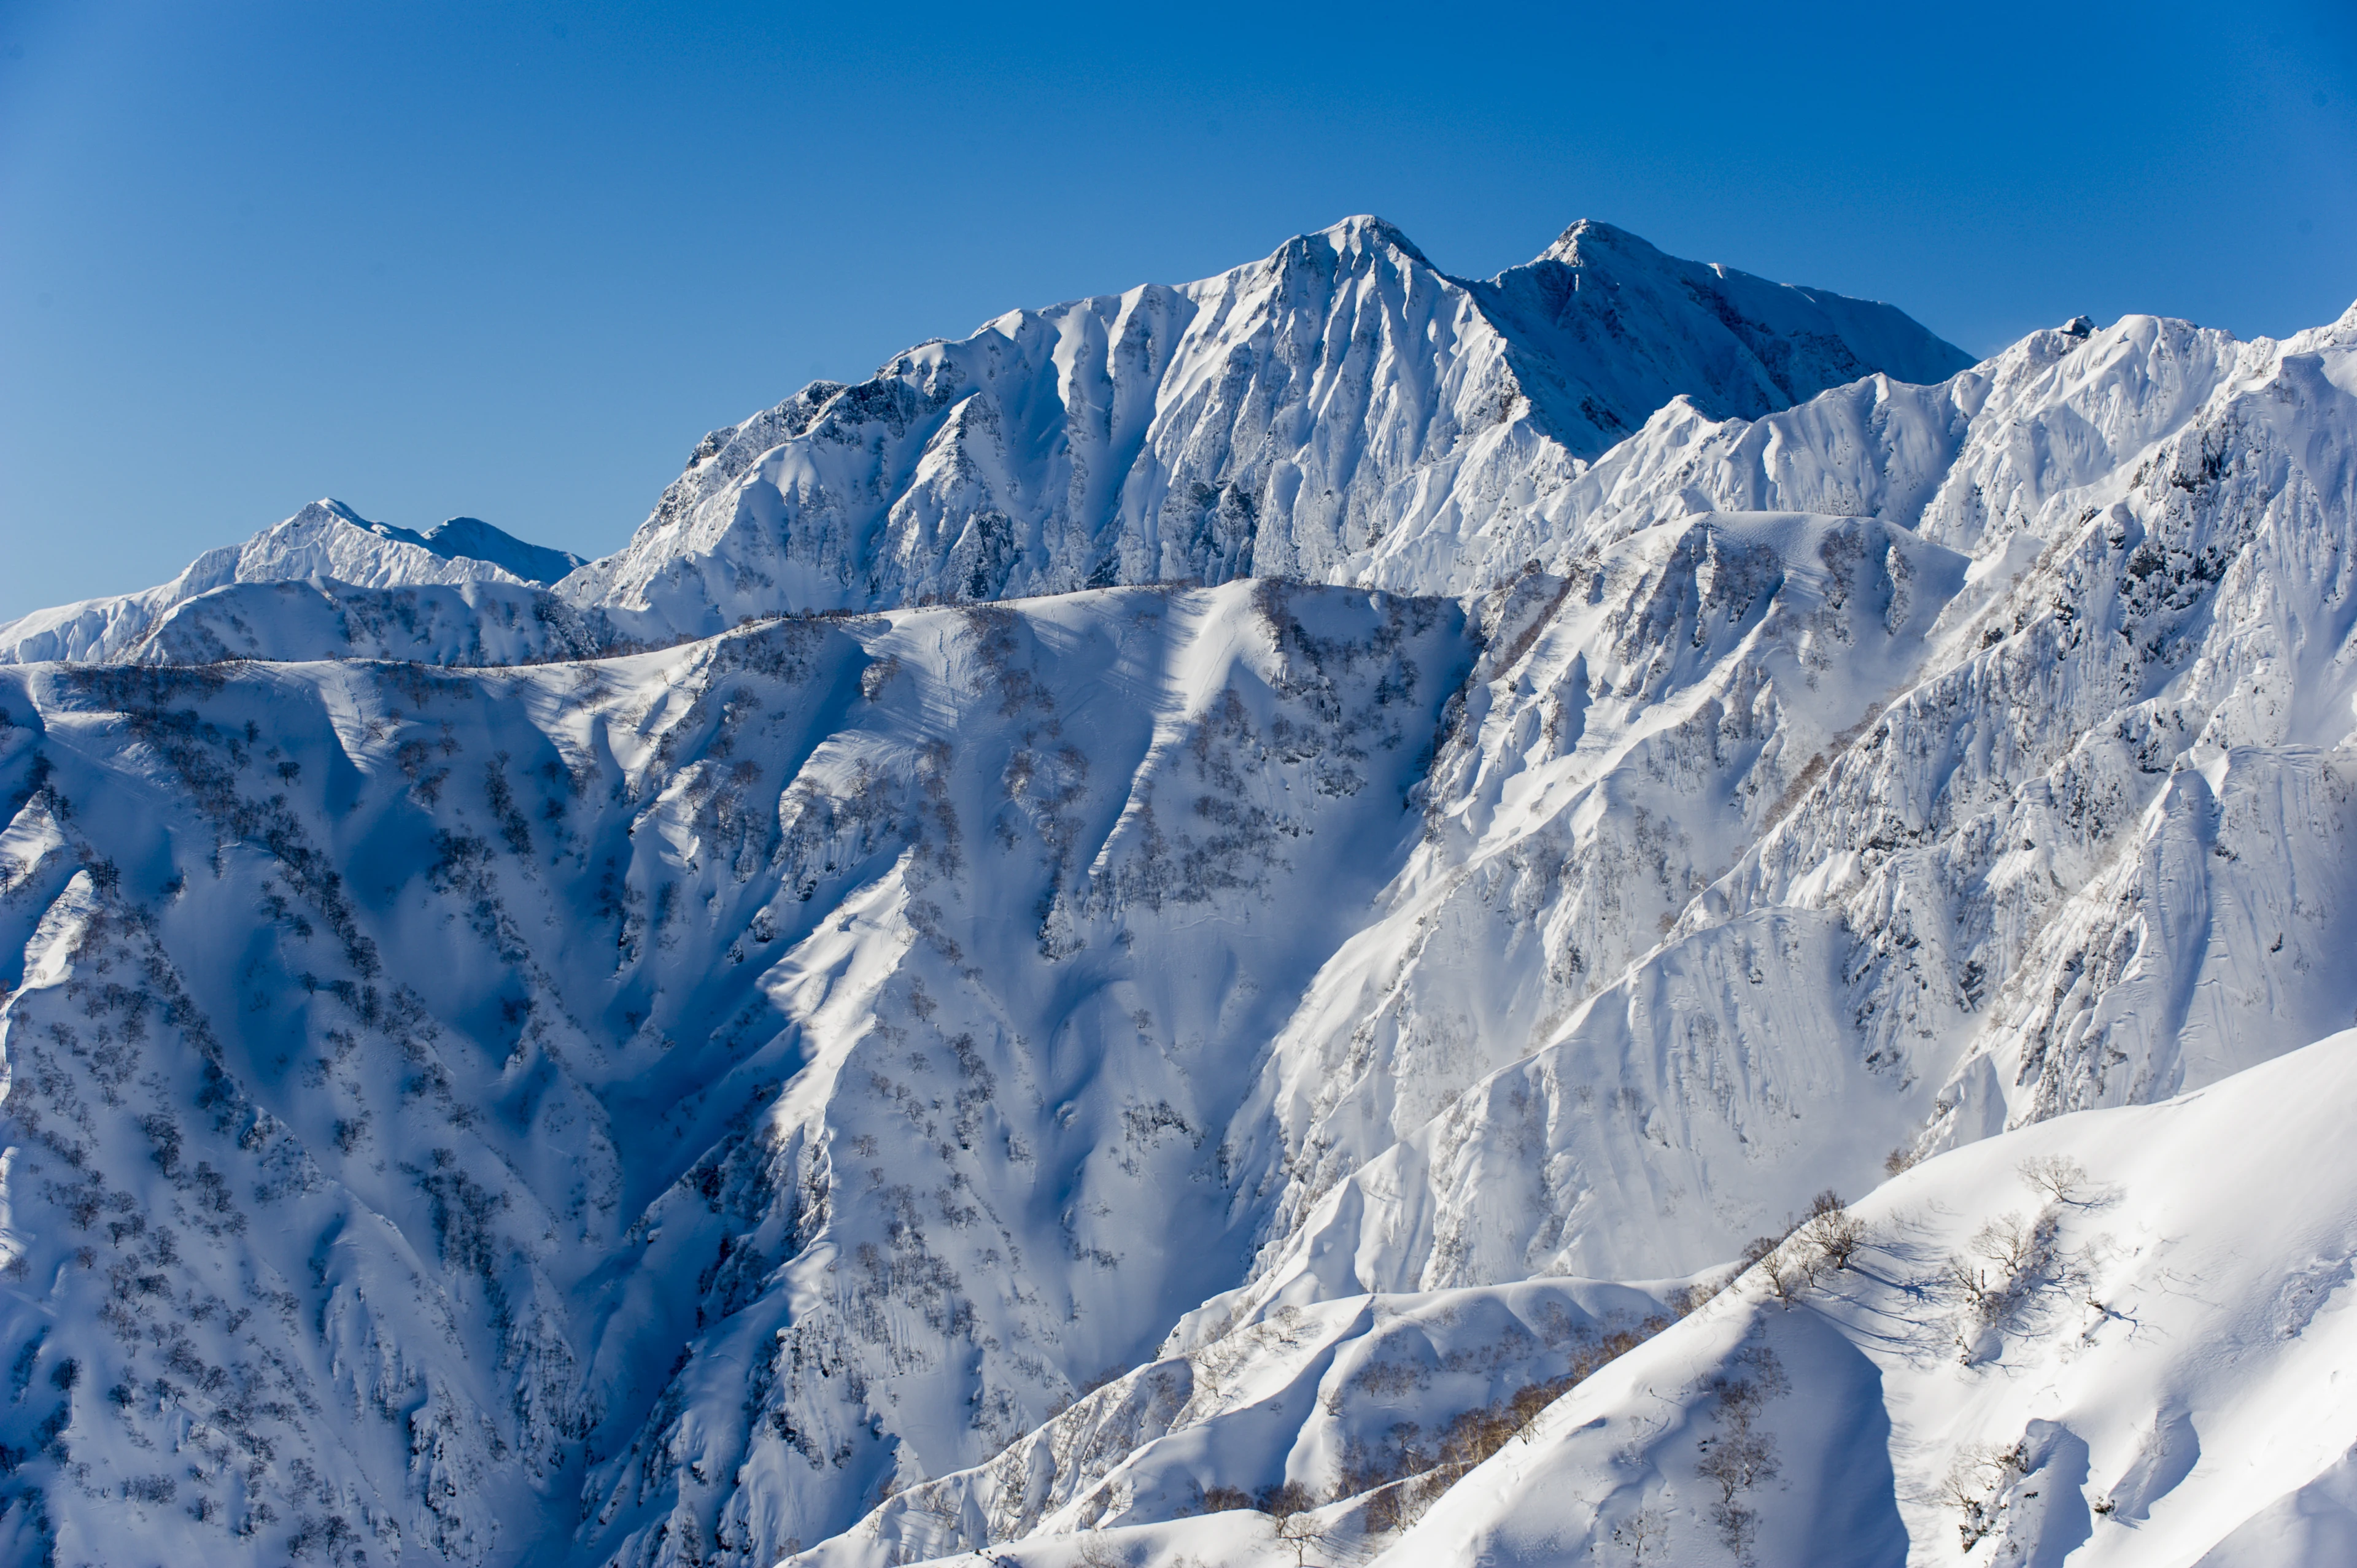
point(513, 261)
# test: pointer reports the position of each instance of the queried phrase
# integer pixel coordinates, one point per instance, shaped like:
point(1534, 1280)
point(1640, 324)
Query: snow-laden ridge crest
point(1340, 412)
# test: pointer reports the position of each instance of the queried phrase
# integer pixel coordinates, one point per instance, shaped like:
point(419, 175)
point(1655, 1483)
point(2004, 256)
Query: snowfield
point(1619, 915)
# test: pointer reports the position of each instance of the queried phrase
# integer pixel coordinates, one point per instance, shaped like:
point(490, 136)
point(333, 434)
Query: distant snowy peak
point(1616, 328)
point(1340, 411)
point(325, 541)
point(471, 539)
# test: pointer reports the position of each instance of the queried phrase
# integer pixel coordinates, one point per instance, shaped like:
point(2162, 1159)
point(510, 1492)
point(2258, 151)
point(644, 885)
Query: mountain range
point(1619, 914)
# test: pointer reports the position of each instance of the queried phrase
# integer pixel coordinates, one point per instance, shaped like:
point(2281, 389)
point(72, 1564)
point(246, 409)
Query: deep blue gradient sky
point(513, 262)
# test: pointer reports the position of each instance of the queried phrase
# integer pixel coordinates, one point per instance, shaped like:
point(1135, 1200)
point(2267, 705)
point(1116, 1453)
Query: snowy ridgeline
point(1340, 412)
point(1168, 1074)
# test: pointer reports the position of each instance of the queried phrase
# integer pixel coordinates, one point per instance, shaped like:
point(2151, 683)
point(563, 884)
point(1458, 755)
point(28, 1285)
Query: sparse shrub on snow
point(1739, 1455)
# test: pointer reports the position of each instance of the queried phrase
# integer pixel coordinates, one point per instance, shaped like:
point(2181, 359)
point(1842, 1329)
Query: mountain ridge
point(1191, 476)
point(1060, 447)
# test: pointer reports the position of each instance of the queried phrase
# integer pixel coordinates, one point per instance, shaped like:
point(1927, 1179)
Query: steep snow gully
point(1619, 915)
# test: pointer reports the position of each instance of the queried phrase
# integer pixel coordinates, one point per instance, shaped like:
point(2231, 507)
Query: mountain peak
point(1288, 417)
point(1363, 232)
point(326, 542)
point(457, 539)
point(1607, 328)
point(1586, 235)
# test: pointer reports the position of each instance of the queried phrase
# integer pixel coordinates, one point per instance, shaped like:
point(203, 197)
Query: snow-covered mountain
point(874, 975)
point(327, 545)
point(1276, 1058)
point(2044, 818)
point(1343, 412)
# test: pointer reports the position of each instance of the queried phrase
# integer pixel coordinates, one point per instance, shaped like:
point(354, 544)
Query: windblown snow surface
point(1615, 915)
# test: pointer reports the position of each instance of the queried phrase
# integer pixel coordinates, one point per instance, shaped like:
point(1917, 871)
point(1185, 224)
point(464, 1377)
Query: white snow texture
point(1201, 930)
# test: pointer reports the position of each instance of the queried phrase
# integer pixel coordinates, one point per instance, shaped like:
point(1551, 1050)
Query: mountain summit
point(1614, 329)
point(1341, 411)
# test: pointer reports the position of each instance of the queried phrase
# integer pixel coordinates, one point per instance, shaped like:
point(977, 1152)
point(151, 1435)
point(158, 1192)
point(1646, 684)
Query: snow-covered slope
point(1314, 1396)
point(2114, 1338)
point(655, 1101)
point(2065, 839)
point(471, 539)
point(1343, 412)
point(480, 622)
point(326, 542)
